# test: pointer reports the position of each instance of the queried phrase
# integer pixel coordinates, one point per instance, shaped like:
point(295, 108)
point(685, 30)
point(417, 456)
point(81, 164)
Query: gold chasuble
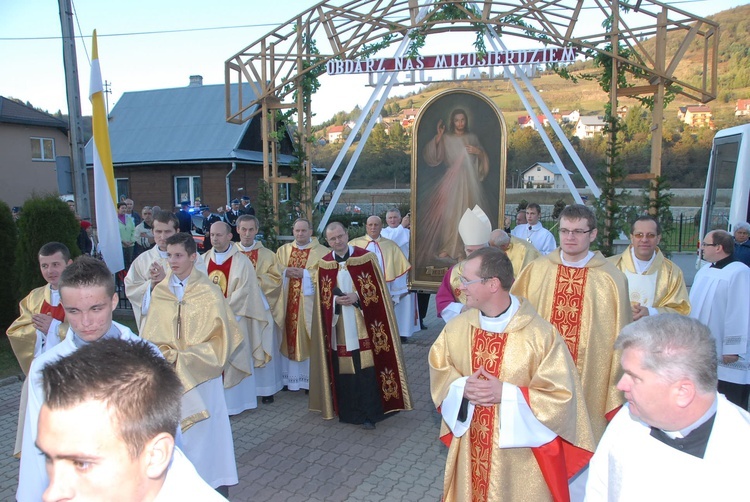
point(268, 273)
point(667, 294)
point(588, 306)
point(520, 253)
point(198, 334)
point(298, 313)
point(396, 263)
point(532, 356)
point(22, 333)
point(379, 344)
point(237, 281)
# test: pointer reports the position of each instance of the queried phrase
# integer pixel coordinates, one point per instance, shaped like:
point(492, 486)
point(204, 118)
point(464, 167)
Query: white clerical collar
point(640, 265)
point(576, 264)
point(162, 254)
point(245, 248)
point(220, 258)
point(178, 285)
point(303, 247)
point(498, 324)
point(711, 411)
point(54, 297)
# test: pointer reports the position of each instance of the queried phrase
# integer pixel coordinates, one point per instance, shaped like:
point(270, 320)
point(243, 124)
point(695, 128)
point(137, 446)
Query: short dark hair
point(724, 239)
point(248, 217)
point(646, 218)
point(579, 212)
point(186, 240)
point(86, 271)
point(137, 384)
point(534, 205)
point(120, 204)
point(674, 346)
point(167, 217)
point(495, 263)
point(55, 247)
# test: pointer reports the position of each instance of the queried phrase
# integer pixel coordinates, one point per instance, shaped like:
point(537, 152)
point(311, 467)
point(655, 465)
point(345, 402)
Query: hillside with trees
point(386, 158)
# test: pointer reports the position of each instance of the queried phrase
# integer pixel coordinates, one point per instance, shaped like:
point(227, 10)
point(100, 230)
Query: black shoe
point(307, 391)
point(422, 325)
point(404, 340)
point(368, 425)
point(285, 388)
point(266, 399)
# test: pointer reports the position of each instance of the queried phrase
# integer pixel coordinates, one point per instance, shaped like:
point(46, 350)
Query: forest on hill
point(386, 158)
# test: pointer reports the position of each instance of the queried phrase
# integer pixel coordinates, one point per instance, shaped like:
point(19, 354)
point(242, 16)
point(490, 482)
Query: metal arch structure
point(656, 35)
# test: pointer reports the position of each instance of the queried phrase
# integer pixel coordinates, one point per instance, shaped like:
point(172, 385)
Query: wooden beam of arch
point(345, 31)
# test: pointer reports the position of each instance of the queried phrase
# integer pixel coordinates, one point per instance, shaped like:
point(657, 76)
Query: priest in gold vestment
point(234, 274)
point(268, 376)
point(656, 284)
point(299, 265)
point(509, 395)
point(190, 321)
point(586, 298)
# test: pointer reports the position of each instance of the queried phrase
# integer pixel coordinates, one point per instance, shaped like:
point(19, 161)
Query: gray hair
point(499, 238)
point(394, 210)
point(742, 225)
point(674, 346)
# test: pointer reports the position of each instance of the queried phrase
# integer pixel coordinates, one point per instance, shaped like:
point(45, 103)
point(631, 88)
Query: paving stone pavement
point(286, 453)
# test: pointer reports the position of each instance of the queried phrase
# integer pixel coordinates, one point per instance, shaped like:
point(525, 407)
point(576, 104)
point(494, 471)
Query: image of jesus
point(467, 165)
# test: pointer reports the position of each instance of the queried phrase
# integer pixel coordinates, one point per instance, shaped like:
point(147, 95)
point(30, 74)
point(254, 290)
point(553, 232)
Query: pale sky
point(133, 58)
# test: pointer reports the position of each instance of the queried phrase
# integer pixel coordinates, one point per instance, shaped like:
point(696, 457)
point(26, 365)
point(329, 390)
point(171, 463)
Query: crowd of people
point(555, 370)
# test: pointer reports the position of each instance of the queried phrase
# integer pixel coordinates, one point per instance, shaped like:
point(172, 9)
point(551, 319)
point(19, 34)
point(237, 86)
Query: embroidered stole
point(487, 350)
point(297, 258)
point(380, 338)
point(567, 305)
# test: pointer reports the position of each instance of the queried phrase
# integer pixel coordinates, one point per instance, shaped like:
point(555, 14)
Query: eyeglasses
point(708, 244)
point(577, 232)
point(467, 282)
point(641, 235)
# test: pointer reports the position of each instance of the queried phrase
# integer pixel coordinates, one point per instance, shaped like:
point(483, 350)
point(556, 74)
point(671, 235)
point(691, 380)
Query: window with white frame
point(43, 149)
point(187, 188)
point(122, 187)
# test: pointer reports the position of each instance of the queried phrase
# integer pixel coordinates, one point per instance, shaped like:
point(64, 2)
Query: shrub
point(8, 239)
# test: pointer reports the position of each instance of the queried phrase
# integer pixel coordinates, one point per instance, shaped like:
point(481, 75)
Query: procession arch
point(646, 38)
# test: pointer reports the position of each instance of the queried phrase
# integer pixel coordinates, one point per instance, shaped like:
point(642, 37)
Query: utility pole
point(78, 156)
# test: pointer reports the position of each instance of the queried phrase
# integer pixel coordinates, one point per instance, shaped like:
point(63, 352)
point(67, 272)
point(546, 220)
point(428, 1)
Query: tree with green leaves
point(8, 240)
point(43, 219)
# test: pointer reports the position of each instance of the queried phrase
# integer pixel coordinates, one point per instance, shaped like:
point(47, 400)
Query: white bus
point(725, 202)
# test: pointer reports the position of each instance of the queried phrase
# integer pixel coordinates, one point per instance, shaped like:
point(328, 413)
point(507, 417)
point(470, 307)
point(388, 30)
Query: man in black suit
point(208, 219)
point(247, 208)
point(183, 216)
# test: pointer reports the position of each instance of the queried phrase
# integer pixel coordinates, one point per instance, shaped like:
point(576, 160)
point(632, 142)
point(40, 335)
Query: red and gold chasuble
point(219, 274)
point(567, 305)
point(487, 350)
point(57, 313)
point(381, 338)
point(253, 256)
point(297, 258)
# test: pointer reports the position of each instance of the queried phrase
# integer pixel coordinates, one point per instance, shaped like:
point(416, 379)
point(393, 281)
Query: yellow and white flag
point(105, 196)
